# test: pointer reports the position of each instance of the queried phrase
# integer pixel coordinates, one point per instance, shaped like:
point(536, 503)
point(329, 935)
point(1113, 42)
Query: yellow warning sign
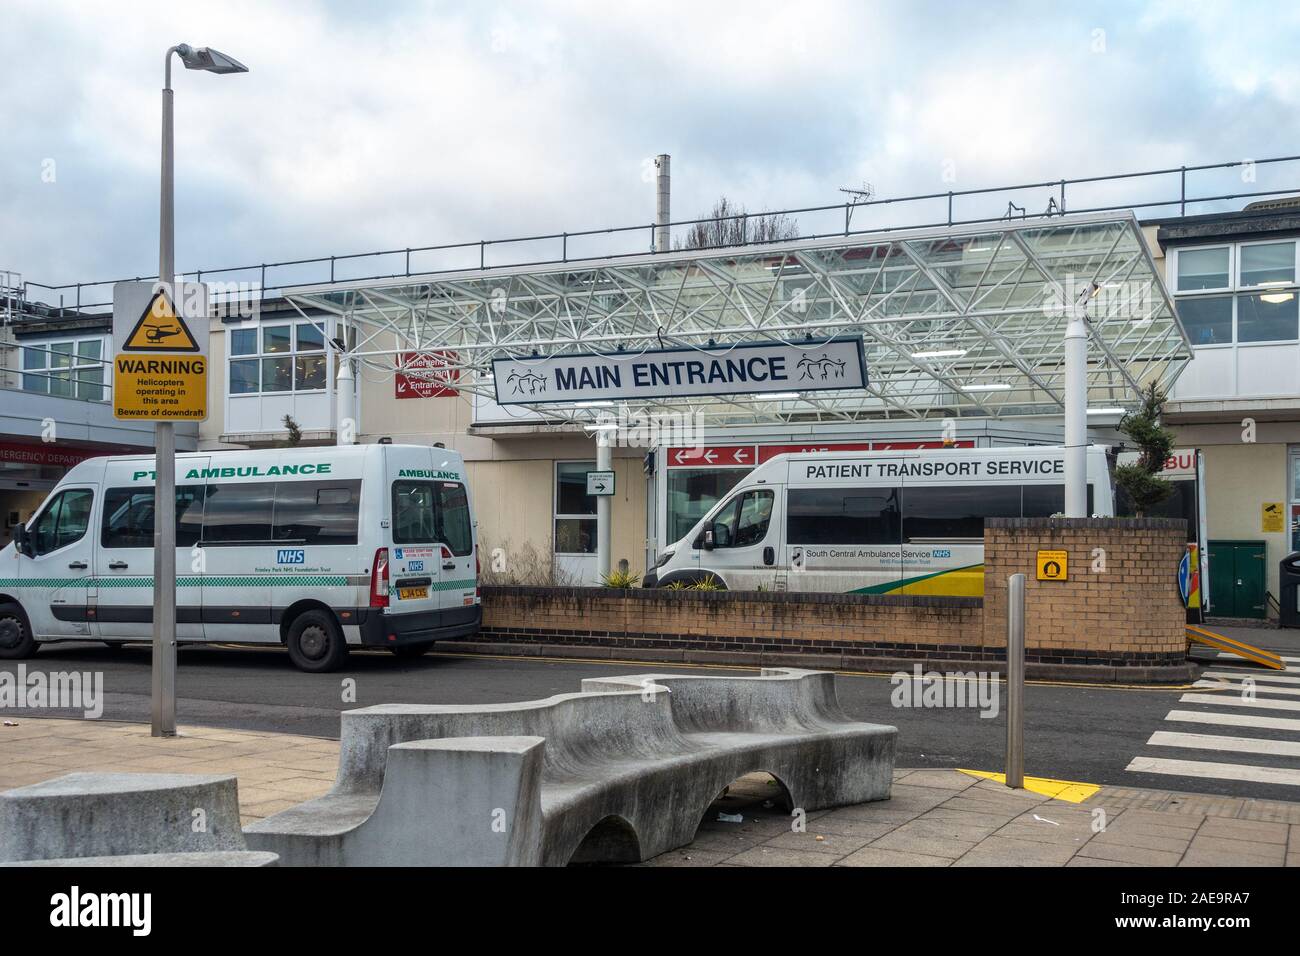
point(1272, 518)
point(160, 387)
point(160, 328)
point(1053, 565)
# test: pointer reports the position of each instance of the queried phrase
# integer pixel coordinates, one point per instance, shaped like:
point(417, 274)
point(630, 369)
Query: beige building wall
point(210, 431)
point(1240, 478)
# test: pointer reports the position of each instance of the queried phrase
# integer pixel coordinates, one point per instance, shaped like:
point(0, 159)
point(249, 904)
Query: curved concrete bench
point(622, 771)
point(90, 815)
point(216, 858)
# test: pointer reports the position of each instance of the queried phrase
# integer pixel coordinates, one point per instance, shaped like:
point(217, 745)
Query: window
point(692, 492)
point(1268, 313)
point(129, 517)
point(1268, 263)
point(413, 514)
point(455, 528)
point(575, 533)
point(945, 512)
point(743, 521)
point(842, 516)
point(67, 369)
point(291, 358)
point(1269, 317)
point(63, 522)
point(1203, 269)
point(317, 512)
point(238, 513)
point(1207, 319)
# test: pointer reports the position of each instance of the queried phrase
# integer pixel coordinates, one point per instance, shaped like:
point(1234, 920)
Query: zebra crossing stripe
point(1258, 688)
point(1233, 720)
point(1222, 701)
point(1245, 745)
point(1269, 677)
point(1218, 771)
point(1290, 661)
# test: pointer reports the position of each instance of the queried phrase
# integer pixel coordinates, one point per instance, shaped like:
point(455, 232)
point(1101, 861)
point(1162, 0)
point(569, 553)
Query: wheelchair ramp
point(1256, 655)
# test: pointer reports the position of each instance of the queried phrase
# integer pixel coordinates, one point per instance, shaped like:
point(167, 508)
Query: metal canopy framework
point(956, 322)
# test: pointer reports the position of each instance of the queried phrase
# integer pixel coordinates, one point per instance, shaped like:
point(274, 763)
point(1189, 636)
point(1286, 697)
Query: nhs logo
point(415, 566)
point(290, 556)
point(941, 553)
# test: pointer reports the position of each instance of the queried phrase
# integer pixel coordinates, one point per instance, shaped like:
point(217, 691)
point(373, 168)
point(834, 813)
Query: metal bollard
point(1016, 681)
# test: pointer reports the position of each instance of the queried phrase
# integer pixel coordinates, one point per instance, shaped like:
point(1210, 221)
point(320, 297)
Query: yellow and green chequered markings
point(187, 581)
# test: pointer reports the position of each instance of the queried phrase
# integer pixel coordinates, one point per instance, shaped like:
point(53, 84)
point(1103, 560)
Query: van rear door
point(415, 560)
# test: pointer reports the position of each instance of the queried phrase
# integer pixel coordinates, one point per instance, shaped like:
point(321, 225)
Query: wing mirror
point(708, 540)
point(22, 543)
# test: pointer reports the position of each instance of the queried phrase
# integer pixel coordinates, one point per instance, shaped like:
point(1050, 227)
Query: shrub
point(621, 579)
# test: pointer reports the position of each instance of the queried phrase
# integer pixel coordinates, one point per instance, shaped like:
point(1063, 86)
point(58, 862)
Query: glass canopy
point(955, 322)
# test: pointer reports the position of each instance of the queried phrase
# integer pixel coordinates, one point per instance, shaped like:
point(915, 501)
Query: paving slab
point(879, 856)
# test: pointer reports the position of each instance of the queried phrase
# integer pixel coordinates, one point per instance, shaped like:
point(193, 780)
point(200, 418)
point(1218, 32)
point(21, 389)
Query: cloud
point(385, 126)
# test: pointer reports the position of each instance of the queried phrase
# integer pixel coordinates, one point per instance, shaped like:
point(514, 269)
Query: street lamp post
point(163, 722)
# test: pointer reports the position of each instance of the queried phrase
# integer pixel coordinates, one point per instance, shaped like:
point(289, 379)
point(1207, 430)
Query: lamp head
point(210, 60)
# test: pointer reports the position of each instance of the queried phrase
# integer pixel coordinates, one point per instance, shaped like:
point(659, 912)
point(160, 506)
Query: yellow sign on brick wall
point(1053, 565)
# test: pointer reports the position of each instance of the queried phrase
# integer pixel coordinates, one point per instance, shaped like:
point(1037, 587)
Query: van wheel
point(16, 641)
point(412, 650)
point(316, 642)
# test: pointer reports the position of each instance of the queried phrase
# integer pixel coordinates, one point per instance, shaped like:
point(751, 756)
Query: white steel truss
point(956, 322)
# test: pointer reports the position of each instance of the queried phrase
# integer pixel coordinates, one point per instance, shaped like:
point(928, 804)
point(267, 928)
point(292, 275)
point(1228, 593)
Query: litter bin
point(1289, 585)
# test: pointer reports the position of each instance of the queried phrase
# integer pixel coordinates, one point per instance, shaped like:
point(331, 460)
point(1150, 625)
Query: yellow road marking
point(1222, 642)
point(1070, 791)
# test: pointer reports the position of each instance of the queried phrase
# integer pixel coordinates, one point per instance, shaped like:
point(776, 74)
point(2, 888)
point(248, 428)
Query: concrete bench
point(620, 772)
point(103, 818)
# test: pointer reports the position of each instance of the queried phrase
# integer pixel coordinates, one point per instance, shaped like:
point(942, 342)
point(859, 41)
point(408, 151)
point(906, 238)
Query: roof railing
point(476, 252)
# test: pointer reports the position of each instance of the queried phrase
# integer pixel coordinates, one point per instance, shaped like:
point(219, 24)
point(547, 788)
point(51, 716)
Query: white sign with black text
point(745, 368)
point(600, 483)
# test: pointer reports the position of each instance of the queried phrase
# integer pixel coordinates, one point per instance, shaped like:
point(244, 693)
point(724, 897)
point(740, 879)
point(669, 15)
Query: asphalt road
point(1083, 733)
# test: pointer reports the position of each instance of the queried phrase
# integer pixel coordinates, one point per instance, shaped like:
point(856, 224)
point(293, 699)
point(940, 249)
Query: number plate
point(412, 594)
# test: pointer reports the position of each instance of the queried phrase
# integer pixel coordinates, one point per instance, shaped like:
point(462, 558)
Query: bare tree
point(730, 225)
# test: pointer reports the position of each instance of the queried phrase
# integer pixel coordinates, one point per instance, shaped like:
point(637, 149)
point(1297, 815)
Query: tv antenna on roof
point(865, 193)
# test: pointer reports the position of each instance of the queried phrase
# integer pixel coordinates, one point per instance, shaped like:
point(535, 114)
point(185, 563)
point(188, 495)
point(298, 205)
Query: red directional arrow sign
point(712, 456)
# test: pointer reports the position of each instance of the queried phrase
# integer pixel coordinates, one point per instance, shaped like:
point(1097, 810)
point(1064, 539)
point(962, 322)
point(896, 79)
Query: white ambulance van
point(886, 522)
point(319, 549)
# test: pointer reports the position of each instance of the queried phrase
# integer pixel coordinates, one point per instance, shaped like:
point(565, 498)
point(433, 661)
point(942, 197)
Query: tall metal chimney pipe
point(663, 195)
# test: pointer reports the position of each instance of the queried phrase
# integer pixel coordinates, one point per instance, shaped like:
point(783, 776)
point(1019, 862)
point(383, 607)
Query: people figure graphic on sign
point(804, 365)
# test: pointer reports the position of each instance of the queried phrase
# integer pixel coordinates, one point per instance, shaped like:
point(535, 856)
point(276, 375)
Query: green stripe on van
point(904, 582)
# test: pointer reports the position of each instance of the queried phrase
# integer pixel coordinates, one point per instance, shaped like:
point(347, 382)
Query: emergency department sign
point(746, 368)
point(160, 352)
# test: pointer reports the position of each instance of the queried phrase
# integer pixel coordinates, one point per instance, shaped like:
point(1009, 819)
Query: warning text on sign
point(160, 387)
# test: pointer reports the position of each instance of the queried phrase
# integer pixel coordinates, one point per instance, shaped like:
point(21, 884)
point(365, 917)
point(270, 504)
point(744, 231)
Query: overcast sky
point(385, 125)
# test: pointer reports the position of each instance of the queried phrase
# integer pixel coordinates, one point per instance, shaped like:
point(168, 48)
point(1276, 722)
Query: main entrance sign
point(752, 368)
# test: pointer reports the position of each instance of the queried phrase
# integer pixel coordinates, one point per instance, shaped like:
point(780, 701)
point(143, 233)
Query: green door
point(1237, 579)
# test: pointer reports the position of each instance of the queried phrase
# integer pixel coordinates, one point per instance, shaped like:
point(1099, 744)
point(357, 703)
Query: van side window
point(945, 512)
point(454, 525)
point(317, 512)
point(413, 518)
point(64, 520)
point(743, 521)
point(128, 517)
point(238, 512)
point(842, 516)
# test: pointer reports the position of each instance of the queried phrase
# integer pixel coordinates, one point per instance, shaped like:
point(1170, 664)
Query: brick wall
point(1128, 618)
point(742, 622)
point(1120, 602)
